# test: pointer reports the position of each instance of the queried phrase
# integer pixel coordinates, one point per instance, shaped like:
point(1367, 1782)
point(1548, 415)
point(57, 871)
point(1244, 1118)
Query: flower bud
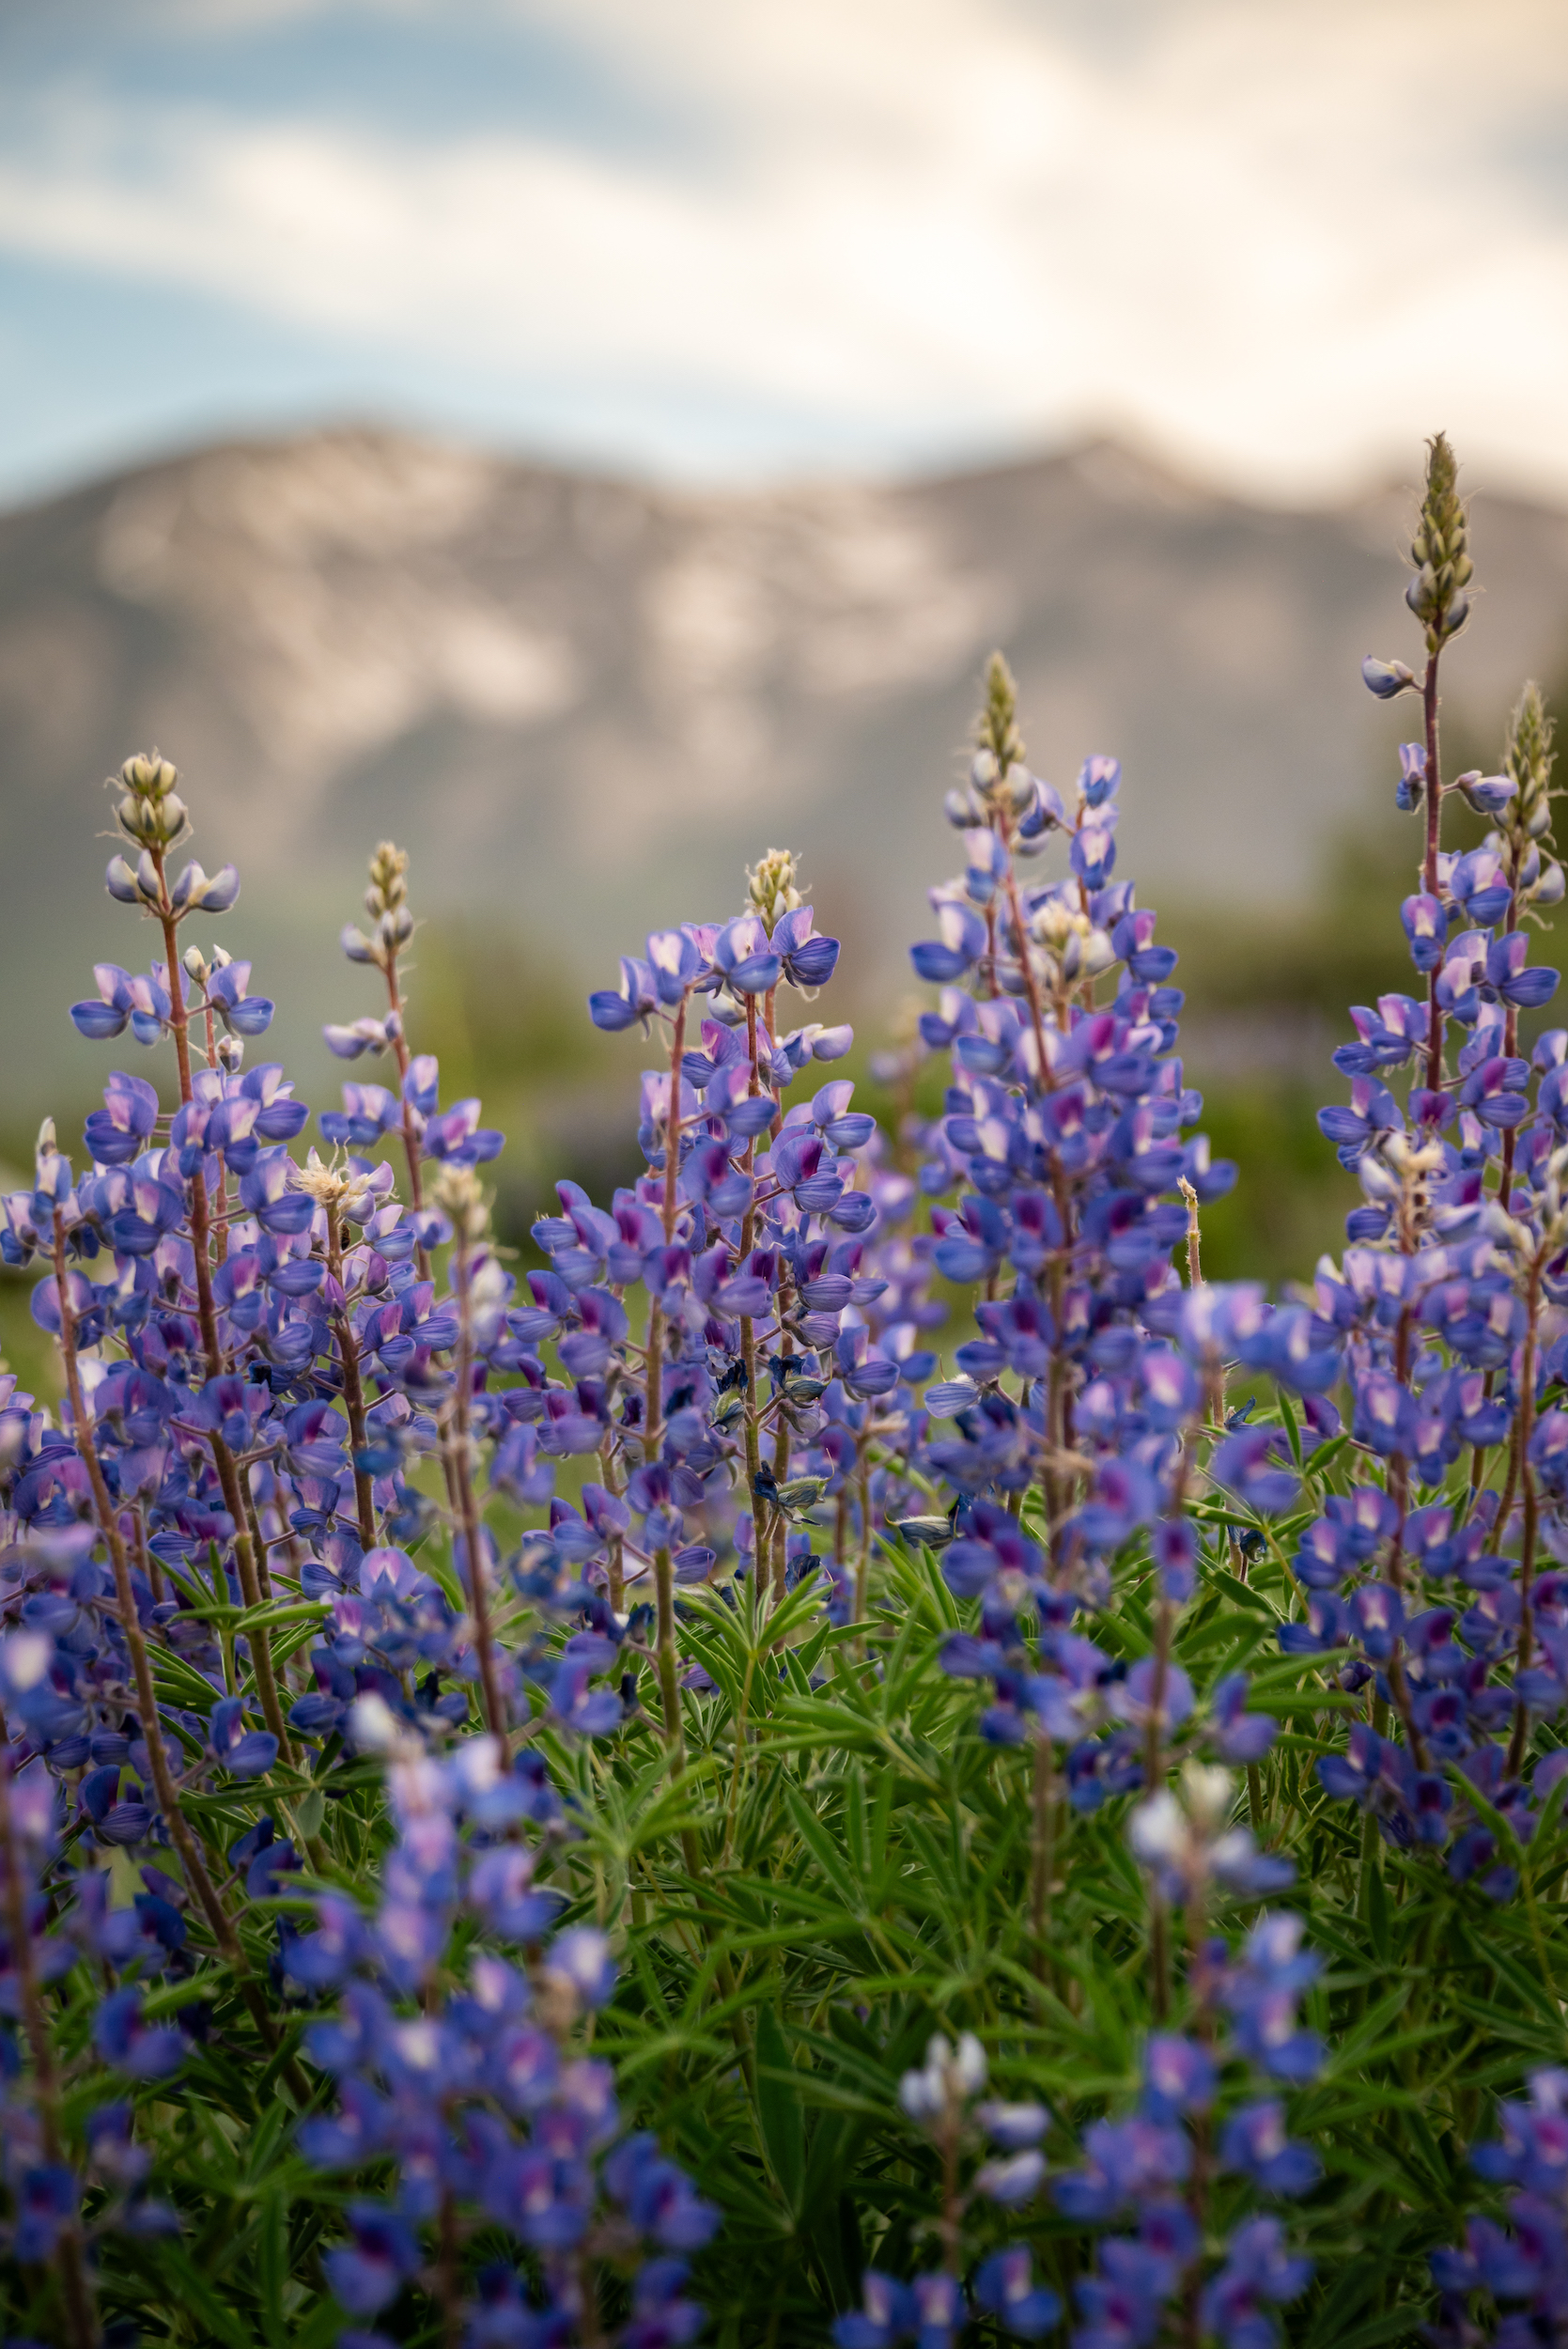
point(770, 886)
point(1020, 785)
point(189, 889)
point(1527, 760)
point(218, 891)
point(1411, 790)
point(365, 1035)
point(458, 1195)
point(968, 2068)
point(1386, 677)
point(1377, 1183)
point(357, 946)
point(149, 776)
point(1155, 1830)
point(373, 1726)
point(997, 730)
point(388, 885)
point(1436, 595)
point(1207, 1792)
point(1487, 794)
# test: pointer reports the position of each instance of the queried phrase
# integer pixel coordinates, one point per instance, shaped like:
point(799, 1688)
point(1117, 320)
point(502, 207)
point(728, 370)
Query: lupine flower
point(1005, 2285)
point(275, 1368)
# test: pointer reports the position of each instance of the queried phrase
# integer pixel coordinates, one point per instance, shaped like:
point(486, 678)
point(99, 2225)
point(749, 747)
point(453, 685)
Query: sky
point(743, 240)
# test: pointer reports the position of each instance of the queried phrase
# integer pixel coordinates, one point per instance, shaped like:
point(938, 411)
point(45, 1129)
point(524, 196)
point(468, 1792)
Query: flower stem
point(748, 1335)
point(1043, 1851)
point(1429, 869)
point(448, 2277)
point(74, 2286)
point(185, 1843)
point(468, 1513)
point(228, 1475)
point(1154, 1778)
point(411, 1137)
point(1527, 1477)
point(354, 1391)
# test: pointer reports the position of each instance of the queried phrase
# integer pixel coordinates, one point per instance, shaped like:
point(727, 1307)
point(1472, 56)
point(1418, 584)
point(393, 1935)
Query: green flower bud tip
point(772, 886)
point(996, 729)
point(1528, 754)
point(389, 888)
point(148, 775)
point(1436, 594)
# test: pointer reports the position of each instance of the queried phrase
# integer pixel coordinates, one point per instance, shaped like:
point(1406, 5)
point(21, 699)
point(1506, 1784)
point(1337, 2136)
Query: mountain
point(584, 705)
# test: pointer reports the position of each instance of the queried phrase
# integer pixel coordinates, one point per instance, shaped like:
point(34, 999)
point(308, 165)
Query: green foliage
point(863, 1880)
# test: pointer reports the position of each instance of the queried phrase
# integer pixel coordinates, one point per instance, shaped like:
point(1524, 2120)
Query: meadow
point(920, 1698)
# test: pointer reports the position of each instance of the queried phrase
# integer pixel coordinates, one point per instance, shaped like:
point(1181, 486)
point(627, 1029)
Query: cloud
point(1284, 241)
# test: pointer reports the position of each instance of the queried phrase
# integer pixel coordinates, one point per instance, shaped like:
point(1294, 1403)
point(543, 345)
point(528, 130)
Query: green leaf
point(272, 2270)
point(183, 2282)
point(780, 2117)
point(828, 1856)
point(1378, 1914)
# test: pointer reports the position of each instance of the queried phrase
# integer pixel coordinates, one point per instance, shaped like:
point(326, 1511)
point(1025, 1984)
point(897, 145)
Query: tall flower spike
point(386, 901)
point(1523, 839)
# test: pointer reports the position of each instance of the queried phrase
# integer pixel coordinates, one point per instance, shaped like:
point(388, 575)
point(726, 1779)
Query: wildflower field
point(864, 1756)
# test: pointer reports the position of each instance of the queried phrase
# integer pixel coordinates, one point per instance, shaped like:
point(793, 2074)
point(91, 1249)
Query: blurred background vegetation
point(1266, 1003)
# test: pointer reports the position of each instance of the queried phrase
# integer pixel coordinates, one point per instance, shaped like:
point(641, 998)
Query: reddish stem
point(1429, 870)
point(228, 1477)
point(354, 1391)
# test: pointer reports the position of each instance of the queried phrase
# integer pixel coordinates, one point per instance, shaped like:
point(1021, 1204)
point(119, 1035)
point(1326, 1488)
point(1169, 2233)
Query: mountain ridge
point(582, 704)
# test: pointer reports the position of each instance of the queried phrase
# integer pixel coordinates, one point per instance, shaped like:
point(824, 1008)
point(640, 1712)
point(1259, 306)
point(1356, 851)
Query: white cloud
point(920, 225)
